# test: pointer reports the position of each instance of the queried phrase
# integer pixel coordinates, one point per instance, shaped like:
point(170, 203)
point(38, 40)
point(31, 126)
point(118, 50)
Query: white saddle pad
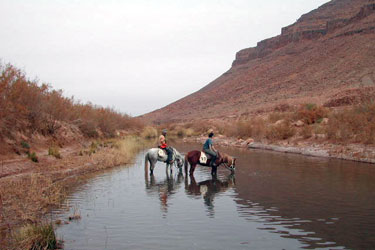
point(161, 153)
point(203, 158)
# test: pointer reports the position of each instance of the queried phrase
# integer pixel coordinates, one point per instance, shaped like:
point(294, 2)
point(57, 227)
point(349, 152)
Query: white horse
point(156, 154)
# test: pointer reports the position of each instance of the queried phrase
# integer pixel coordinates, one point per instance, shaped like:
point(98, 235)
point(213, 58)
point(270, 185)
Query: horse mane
point(226, 158)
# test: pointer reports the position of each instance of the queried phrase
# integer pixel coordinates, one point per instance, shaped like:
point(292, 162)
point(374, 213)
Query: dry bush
point(54, 151)
point(149, 132)
point(254, 128)
point(306, 131)
point(244, 129)
point(36, 237)
point(280, 131)
point(356, 124)
point(201, 127)
point(184, 132)
point(311, 113)
point(283, 107)
point(276, 116)
point(27, 107)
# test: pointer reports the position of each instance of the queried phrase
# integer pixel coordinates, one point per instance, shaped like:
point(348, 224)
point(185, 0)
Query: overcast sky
point(136, 56)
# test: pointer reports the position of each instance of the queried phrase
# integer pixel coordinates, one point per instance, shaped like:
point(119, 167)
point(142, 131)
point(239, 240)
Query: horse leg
point(151, 168)
point(214, 171)
point(192, 168)
point(186, 164)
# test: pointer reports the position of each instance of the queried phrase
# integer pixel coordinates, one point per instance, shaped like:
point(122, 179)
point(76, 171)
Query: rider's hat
point(164, 131)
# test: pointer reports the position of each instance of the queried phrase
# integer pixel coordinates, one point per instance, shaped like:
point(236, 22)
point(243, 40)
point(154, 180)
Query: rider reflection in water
point(163, 145)
point(209, 149)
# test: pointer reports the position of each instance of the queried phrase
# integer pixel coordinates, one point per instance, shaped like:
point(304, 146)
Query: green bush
point(25, 145)
point(33, 156)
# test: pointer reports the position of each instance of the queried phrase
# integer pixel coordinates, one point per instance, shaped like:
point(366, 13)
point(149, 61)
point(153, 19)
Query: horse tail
point(186, 163)
point(146, 160)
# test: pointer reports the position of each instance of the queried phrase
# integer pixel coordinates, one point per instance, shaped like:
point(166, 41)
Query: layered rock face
point(326, 57)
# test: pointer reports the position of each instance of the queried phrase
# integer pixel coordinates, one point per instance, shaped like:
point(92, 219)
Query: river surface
point(274, 201)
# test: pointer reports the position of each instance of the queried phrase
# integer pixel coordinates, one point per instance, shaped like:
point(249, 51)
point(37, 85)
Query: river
point(274, 201)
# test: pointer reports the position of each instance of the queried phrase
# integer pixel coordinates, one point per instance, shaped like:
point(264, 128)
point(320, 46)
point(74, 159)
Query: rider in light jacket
point(163, 145)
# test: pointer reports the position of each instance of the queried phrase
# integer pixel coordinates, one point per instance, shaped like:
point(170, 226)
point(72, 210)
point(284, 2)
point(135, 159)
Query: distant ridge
point(327, 57)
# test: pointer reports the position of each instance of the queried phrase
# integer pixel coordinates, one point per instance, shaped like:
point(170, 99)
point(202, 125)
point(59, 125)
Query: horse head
point(228, 161)
point(180, 159)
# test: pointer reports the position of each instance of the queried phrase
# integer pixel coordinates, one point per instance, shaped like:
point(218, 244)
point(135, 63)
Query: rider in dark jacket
point(209, 149)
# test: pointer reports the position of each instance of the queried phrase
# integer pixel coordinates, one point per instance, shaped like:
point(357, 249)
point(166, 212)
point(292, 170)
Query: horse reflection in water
point(209, 189)
point(164, 189)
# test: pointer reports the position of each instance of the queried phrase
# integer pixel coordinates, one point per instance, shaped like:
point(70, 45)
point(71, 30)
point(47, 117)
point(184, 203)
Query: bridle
point(231, 167)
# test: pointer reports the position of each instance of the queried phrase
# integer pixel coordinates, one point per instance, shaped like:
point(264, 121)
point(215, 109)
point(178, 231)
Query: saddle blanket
point(161, 153)
point(203, 158)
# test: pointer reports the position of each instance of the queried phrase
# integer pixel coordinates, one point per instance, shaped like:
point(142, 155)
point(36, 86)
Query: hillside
point(326, 57)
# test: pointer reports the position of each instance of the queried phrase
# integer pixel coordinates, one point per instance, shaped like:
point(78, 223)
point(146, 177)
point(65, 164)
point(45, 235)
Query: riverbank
point(29, 190)
point(352, 152)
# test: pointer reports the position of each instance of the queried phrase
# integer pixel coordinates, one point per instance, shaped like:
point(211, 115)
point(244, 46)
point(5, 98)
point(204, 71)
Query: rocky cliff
point(327, 57)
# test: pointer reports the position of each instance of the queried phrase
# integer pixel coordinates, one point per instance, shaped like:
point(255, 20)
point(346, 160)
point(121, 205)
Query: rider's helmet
point(164, 132)
point(210, 132)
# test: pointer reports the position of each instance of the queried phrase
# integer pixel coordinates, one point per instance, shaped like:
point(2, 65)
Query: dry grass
point(280, 131)
point(355, 124)
point(311, 113)
point(36, 237)
point(149, 132)
point(54, 151)
point(26, 198)
point(306, 132)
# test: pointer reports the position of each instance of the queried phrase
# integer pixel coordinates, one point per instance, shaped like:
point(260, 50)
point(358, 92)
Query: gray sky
point(136, 56)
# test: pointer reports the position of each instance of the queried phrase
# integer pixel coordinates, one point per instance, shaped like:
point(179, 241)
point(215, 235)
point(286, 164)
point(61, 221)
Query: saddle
point(162, 153)
point(204, 157)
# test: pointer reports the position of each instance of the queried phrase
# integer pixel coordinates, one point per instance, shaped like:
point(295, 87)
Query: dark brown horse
point(192, 158)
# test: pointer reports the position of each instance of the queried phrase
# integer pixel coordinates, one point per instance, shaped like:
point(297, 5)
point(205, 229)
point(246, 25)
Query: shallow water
point(274, 201)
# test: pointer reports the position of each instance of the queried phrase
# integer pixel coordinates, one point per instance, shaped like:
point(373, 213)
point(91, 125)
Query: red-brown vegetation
point(27, 108)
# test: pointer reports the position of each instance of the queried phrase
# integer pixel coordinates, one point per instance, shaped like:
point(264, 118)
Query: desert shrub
point(32, 156)
point(254, 127)
point(244, 129)
point(258, 128)
point(311, 113)
point(280, 131)
point(149, 132)
point(29, 107)
point(306, 131)
point(25, 145)
point(36, 237)
point(282, 107)
point(275, 116)
point(201, 127)
point(89, 128)
point(54, 151)
point(356, 124)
